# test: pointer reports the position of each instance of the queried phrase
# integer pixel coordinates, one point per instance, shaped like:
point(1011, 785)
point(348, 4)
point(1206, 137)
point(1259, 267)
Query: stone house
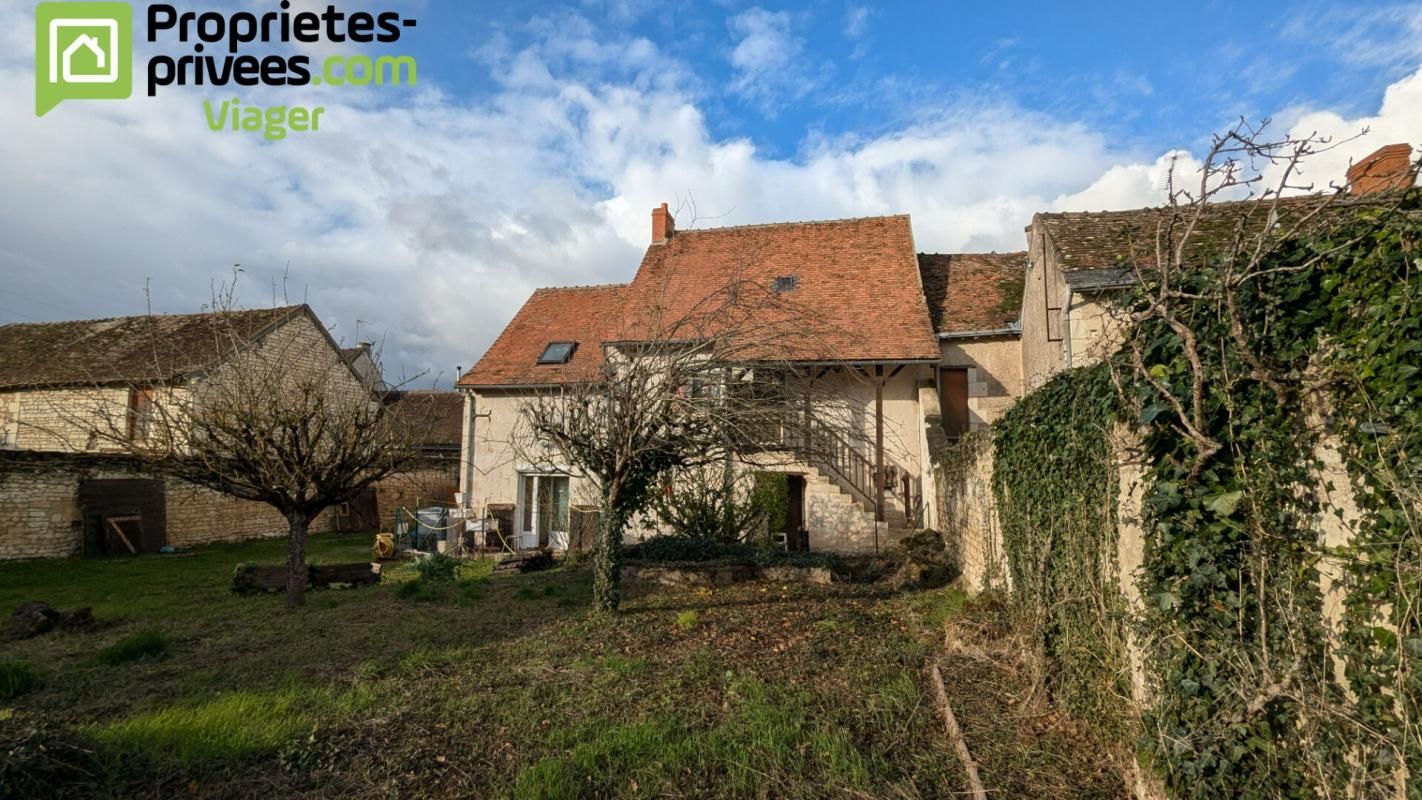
point(931, 345)
point(68, 388)
point(1076, 260)
point(905, 342)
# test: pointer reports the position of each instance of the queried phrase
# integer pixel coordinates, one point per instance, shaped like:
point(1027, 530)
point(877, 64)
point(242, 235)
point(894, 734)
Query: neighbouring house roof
point(973, 292)
point(582, 314)
point(146, 348)
point(1099, 240)
point(435, 417)
point(855, 280)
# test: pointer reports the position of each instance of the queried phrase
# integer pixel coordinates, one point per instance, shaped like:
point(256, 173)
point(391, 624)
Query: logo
point(83, 51)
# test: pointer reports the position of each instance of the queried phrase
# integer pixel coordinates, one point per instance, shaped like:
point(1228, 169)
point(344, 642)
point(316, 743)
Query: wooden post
point(878, 450)
point(805, 428)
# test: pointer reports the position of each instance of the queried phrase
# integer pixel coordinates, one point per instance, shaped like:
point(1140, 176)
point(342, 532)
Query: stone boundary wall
point(40, 515)
point(968, 509)
point(430, 484)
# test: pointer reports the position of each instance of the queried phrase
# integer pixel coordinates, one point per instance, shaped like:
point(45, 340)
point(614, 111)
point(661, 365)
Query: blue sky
point(539, 137)
point(1156, 76)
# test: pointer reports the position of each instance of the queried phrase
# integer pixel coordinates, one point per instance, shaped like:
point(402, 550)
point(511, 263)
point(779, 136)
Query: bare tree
point(725, 381)
point(277, 418)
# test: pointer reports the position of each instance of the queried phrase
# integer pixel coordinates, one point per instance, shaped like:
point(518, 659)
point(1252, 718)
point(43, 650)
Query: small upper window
point(786, 283)
point(557, 352)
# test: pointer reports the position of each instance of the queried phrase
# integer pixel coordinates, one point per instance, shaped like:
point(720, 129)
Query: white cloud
point(1398, 120)
point(433, 220)
point(769, 59)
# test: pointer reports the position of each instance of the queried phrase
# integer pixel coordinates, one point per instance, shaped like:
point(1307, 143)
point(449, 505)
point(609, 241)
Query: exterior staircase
point(830, 506)
point(841, 492)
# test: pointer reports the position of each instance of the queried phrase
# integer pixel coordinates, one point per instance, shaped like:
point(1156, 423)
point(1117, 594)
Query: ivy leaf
point(1223, 505)
point(1150, 412)
point(1167, 601)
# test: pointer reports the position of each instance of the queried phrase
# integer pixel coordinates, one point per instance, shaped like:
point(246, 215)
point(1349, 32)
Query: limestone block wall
point(994, 375)
point(40, 514)
point(60, 419)
point(1043, 297)
point(413, 488)
point(967, 511)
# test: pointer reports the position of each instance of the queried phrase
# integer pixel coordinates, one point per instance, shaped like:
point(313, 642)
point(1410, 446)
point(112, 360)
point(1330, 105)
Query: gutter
point(1014, 329)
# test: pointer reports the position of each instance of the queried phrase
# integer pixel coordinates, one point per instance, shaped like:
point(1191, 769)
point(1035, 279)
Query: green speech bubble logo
point(83, 51)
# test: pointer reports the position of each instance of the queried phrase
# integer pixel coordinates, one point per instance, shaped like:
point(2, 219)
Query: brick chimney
point(1388, 167)
point(663, 225)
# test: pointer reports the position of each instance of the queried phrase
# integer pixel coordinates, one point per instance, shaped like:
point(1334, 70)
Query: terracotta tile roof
point(582, 314)
point(1104, 239)
point(122, 349)
point(856, 283)
point(973, 292)
point(435, 416)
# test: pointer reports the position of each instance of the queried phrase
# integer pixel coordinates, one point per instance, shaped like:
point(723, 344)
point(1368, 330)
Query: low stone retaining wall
point(721, 574)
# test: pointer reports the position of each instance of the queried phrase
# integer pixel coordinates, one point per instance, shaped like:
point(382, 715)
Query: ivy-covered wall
point(1252, 394)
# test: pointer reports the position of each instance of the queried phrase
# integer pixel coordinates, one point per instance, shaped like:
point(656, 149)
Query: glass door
point(545, 512)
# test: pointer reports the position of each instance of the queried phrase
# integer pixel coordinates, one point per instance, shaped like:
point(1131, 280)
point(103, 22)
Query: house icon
point(61, 62)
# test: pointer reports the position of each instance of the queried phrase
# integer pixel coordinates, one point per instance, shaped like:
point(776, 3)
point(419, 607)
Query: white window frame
point(557, 540)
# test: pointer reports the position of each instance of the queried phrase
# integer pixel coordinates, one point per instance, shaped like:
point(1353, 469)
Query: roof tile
point(970, 292)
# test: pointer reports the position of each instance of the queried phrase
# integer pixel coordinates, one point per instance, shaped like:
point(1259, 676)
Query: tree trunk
point(607, 558)
point(296, 559)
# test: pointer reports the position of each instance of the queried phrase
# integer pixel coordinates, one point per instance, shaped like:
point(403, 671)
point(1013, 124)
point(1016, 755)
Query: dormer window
point(557, 352)
point(786, 283)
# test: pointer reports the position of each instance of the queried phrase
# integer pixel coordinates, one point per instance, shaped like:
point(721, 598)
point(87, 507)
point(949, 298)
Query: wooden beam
point(896, 371)
point(878, 451)
point(115, 522)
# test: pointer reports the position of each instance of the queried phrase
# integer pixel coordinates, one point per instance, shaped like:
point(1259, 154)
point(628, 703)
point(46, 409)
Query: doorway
point(796, 537)
point(953, 401)
point(123, 516)
point(543, 511)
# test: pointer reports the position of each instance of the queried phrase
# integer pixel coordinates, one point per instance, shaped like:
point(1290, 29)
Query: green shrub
point(687, 548)
point(438, 568)
point(136, 647)
point(710, 503)
point(17, 678)
point(687, 620)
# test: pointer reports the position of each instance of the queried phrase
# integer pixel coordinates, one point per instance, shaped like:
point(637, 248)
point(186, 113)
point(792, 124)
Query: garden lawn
point(483, 687)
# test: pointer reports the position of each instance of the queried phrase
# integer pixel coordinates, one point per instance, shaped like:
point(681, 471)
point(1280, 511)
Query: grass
point(17, 678)
point(230, 727)
point(136, 647)
point(486, 687)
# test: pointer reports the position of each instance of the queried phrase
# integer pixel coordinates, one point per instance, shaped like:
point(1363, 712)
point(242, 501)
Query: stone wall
point(967, 510)
point(40, 514)
point(429, 485)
